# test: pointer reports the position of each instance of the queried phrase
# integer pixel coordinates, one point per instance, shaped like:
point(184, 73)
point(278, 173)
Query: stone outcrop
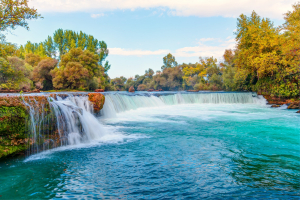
point(131, 89)
point(99, 90)
point(298, 111)
point(98, 100)
point(294, 105)
point(275, 106)
point(277, 102)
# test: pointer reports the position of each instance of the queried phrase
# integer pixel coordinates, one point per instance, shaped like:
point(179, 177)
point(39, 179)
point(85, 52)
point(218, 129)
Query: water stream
point(163, 145)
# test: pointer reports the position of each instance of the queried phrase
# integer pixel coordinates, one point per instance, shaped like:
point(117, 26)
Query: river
point(166, 146)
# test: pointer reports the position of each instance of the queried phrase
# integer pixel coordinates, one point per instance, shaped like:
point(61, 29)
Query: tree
point(32, 59)
point(87, 58)
point(59, 41)
point(228, 70)
point(149, 73)
point(268, 59)
point(142, 87)
point(119, 83)
point(65, 40)
point(41, 73)
point(14, 74)
point(169, 61)
point(49, 47)
point(15, 13)
point(88, 74)
point(75, 75)
point(8, 49)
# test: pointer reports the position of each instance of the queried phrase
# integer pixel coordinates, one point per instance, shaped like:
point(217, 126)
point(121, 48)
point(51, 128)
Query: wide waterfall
point(116, 103)
point(69, 119)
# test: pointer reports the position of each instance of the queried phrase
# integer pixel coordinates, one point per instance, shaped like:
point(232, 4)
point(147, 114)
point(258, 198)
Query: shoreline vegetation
point(266, 60)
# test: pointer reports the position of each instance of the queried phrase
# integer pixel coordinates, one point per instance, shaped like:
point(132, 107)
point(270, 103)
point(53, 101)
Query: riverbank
point(277, 102)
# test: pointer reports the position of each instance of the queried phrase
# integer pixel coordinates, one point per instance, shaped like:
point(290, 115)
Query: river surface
point(183, 151)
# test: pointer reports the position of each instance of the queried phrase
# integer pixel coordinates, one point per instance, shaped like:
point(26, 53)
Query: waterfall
point(118, 102)
point(68, 119)
point(79, 125)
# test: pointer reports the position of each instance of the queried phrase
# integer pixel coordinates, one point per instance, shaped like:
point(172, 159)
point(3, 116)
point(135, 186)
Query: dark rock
point(131, 89)
point(275, 106)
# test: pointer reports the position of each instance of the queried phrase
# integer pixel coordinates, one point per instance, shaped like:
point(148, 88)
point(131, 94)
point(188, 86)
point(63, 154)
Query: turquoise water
point(194, 151)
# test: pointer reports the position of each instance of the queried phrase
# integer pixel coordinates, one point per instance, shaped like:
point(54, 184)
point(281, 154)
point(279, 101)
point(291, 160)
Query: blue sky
point(139, 34)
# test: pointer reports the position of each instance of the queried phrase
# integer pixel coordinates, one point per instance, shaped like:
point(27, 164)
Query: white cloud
point(129, 52)
point(201, 8)
point(206, 50)
point(203, 50)
point(97, 15)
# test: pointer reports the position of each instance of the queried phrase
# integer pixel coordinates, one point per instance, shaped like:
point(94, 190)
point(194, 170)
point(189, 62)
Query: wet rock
point(98, 100)
point(150, 90)
point(298, 111)
point(131, 89)
point(294, 105)
point(275, 106)
point(99, 90)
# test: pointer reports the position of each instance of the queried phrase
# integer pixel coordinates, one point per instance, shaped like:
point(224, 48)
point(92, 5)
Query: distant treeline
point(266, 60)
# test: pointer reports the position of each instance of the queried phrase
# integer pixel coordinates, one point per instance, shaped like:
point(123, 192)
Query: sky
point(140, 33)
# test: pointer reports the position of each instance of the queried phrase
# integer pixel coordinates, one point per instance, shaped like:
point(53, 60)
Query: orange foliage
point(97, 99)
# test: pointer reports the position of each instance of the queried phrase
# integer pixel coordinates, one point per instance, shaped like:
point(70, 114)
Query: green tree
point(59, 41)
point(14, 74)
point(169, 61)
point(15, 13)
point(119, 83)
point(49, 47)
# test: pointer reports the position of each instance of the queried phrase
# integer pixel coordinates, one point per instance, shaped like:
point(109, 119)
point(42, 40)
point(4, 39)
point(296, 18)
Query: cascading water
point(75, 119)
point(116, 103)
point(59, 121)
point(66, 119)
